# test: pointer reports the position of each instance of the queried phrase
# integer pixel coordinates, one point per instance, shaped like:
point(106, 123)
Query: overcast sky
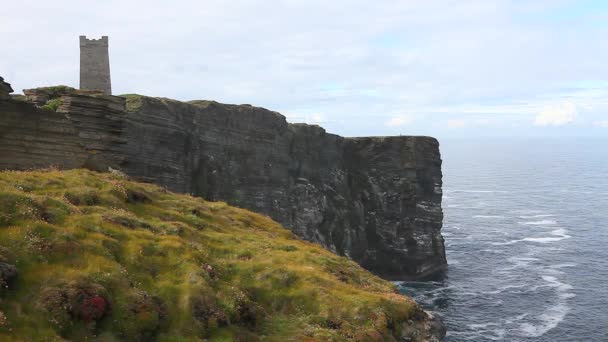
point(447, 68)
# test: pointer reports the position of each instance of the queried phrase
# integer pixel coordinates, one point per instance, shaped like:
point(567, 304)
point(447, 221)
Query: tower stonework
point(95, 65)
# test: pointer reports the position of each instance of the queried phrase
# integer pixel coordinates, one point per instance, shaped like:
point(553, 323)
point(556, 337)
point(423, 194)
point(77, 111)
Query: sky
point(445, 68)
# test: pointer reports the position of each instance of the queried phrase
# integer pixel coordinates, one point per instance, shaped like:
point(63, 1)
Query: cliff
point(376, 200)
point(5, 90)
point(94, 256)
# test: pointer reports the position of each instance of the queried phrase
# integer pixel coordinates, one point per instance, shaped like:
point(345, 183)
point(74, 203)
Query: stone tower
point(95, 65)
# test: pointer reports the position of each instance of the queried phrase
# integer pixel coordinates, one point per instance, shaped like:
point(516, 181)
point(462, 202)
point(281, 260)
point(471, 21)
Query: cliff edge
point(94, 256)
point(376, 200)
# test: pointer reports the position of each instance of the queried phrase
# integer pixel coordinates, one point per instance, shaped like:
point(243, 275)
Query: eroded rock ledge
point(376, 200)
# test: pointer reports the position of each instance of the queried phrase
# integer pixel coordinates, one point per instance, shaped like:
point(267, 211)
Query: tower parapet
point(95, 65)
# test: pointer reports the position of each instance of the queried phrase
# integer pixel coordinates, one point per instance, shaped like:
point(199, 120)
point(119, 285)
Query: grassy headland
point(88, 255)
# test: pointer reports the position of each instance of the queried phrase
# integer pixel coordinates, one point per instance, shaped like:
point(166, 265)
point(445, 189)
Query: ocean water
point(526, 230)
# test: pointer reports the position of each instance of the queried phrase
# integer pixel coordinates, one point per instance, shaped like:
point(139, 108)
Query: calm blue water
point(526, 230)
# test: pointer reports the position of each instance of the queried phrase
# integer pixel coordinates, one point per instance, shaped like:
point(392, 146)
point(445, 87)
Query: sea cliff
point(376, 200)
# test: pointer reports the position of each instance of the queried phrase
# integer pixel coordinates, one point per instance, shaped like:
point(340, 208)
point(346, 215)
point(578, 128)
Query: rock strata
point(376, 200)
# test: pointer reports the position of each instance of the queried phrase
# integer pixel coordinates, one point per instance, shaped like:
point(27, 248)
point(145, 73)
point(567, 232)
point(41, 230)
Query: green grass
point(133, 102)
point(52, 105)
point(100, 256)
point(56, 91)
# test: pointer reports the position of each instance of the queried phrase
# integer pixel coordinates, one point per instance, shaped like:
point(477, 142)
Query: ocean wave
point(504, 288)
point(553, 282)
point(477, 191)
point(493, 334)
point(568, 264)
point(548, 320)
point(505, 243)
point(516, 318)
point(556, 269)
point(547, 239)
point(493, 251)
point(539, 223)
point(556, 235)
point(483, 325)
point(551, 317)
point(536, 216)
point(488, 216)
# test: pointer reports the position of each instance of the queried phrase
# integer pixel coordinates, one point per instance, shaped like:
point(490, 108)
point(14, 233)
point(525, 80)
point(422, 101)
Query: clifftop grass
point(99, 256)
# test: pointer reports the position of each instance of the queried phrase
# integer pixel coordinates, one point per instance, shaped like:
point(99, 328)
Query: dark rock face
point(376, 200)
point(5, 90)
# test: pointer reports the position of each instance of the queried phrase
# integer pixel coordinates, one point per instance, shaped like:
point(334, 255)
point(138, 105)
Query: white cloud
point(456, 123)
point(440, 60)
point(601, 123)
point(557, 115)
point(400, 120)
point(316, 118)
point(311, 119)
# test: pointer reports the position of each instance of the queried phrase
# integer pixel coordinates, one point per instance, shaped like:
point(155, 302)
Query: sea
point(526, 236)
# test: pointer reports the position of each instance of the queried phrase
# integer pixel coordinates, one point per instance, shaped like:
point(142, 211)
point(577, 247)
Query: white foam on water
point(522, 259)
point(542, 239)
point(558, 266)
point(479, 191)
point(493, 251)
point(500, 335)
point(488, 216)
point(504, 288)
point(482, 325)
point(567, 295)
point(497, 334)
point(552, 316)
point(516, 318)
point(484, 330)
point(536, 216)
point(539, 223)
point(504, 243)
point(528, 211)
point(519, 262)
point(553, 282)
point(548, 320)
point(556, 235)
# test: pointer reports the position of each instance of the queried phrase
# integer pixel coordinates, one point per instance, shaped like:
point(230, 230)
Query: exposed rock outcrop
point(376, 200)
point(5, 90)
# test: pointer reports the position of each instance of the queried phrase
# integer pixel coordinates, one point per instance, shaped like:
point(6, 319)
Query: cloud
point(557, 115)
point(601, 123)
point(400, 120)
point(312, 119)
point(439, 60)
point(456, 123)
point(316, 118)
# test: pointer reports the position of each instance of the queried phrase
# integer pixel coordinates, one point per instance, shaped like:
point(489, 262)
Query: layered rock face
point(376, 200)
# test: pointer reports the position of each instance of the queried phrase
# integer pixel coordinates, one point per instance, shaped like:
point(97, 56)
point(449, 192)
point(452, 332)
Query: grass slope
point(86, 255)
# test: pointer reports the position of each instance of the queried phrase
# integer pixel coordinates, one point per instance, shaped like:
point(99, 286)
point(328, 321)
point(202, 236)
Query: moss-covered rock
point(100, 256)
